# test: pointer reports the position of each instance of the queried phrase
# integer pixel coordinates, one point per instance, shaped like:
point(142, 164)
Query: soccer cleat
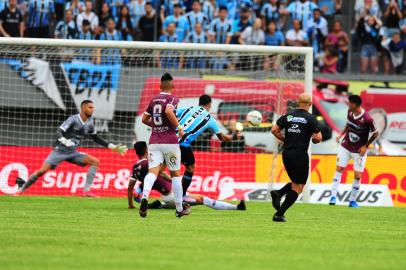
point(241, 206)
point(20, 182)
point(332, 201)
point(143, 208)
point(184, 212)
point(276, 200)
point(155, 205)
point(186, 206)
point(353, 204)
point(277, 218)
point(89, 194)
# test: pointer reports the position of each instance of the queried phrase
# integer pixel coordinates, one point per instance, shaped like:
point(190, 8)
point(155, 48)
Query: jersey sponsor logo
point(296, 119)
point(353, 137)
point(294, 129)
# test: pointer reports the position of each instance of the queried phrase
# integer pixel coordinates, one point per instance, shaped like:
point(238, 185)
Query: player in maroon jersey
point(163, 185)
point(163, 144)
point(358, 134)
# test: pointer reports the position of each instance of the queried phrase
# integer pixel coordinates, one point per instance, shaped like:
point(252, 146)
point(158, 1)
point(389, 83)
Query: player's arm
point(130, 190)
point(170, 114)
point(372, 138)
point(277, 132)
point(317, 137)
point(62, 129)
point(342, 134)
point(226, 137)
point(147, 119)
point(119, 148)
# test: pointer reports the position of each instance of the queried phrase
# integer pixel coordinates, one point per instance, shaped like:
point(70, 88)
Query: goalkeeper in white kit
point(69, 136)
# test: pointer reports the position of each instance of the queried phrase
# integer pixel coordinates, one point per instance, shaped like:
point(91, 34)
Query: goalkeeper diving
point(69, 136)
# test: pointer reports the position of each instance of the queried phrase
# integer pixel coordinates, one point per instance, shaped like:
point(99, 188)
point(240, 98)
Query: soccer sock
point(149, 181)
point(218, 205)
point(336, 183)
point(177, 192)
point(284, 189)
point(33, 178)
point(89, 178)
point(355, 189)
point(186, 181)
point(291, 197)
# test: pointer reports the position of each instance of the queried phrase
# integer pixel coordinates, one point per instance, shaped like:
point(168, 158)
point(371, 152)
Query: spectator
point(240, 25)
point(147, 24)
point(196, 59)
point(301, 10)
point(273, 36)
point(124, 24)
point(59, 9)
point(253, 35)
point(89, 15)
point(270, 12)
point(330, 7)
point(66, 29)
point(391, 19)
point(367, 31)
point(85, 33)
point(339, 39)
point(11, 21)
point(296, 36)
point(3, 5)
point(197, 16)
point(40, 15)
point(366, 7)
point(76, 7)
point(210, 9)
point(168, 7)
point(402, 24)
point(137, 10)
point(169, 59)
point(112, 56)
point(221, 29)
point(317, 32)
point(180, 22)
point(104, 16)
point(330, 60)
point(115, 7)
point(395, 47)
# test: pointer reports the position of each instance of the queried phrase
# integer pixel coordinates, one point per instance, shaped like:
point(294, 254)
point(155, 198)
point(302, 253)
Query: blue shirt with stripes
point(112, 56)
point(220, 30)
point(40, 13)
point(194, 18)
point(84, 54)
point(181, 24)
point(195, 120)
point(301, 11)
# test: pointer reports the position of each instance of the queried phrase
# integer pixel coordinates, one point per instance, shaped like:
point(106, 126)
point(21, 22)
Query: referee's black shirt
point(299, 127)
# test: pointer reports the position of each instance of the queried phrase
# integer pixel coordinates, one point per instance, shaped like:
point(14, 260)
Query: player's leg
point(172, 157)
point(188, 160)
point(218, 205)
point(343, 156)
point(34, 177)
point(93, 162)
point(359, 165)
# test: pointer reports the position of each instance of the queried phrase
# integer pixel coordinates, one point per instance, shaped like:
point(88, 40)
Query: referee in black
point(299, 127)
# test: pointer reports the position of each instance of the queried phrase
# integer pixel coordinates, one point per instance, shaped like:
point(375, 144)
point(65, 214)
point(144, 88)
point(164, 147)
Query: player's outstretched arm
point(147, 119)
point(170, 114)
point(342, 133)
point(62, 139)
point(277, 132)
point(119, 148)
point(226, 138)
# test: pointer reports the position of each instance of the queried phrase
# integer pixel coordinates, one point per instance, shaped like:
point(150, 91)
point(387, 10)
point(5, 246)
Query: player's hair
point(86, 101)
point(204, 100)
point(355, 99)
point(166, 77)
point(140, 148)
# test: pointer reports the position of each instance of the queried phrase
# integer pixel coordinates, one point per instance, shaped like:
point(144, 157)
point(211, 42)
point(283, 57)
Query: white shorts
point(170, 153)
point(344, 156)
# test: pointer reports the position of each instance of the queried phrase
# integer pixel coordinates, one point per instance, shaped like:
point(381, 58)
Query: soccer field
point(80, 233)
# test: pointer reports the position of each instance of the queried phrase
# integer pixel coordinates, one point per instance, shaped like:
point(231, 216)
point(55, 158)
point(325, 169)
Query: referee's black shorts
point(297, 165)
point(187, 156)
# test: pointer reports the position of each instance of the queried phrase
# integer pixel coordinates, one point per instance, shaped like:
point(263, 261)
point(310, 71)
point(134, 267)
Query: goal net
point(43, 82)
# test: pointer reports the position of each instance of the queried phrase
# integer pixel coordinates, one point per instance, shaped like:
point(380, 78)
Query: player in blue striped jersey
point(194, 121)
point(197, 16)
point(41, 13)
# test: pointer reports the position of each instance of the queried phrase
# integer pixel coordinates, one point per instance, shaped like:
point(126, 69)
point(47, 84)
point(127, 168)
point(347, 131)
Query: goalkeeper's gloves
point(119, 148)
point(66, 142)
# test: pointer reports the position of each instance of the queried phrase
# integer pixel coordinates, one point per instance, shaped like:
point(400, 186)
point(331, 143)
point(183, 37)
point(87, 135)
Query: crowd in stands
point(379, 26)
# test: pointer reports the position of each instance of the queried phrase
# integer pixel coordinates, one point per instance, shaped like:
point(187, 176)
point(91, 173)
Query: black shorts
point(296, 165)
point(187, 156)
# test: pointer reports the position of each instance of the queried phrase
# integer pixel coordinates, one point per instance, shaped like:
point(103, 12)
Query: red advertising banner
point(114, 171)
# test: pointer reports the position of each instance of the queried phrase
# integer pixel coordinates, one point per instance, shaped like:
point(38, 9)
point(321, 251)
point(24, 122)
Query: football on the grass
point(254, 118)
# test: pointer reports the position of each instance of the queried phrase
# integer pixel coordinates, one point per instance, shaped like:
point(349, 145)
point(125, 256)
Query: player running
point(164, 186)
point(194, 121)
point(359, 132)
point(164, 145)
point(300, 126)
point(69, 136)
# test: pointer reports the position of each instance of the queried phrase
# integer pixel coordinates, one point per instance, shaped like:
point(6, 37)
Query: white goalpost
point(43, 81)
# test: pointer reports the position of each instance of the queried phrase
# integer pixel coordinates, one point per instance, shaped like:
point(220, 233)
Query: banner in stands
point(39, 74)
point(96, 82)
point(369, 195)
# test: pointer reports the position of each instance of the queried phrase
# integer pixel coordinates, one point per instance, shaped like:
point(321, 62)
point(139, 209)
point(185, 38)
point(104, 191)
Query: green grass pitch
point(80, 233)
